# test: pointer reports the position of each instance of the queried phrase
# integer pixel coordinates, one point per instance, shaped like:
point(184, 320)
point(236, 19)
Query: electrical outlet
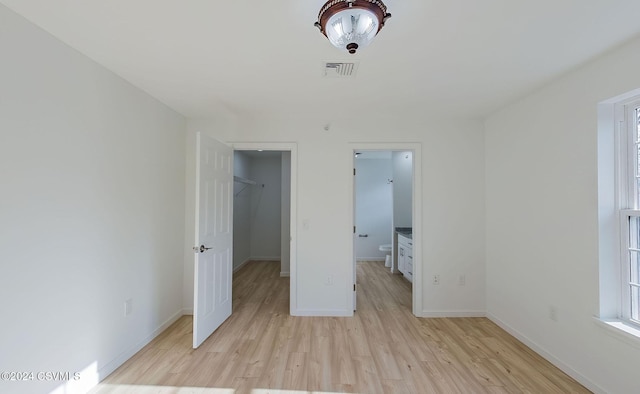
point(329, 281)
point(436, 279)
point(462, 280)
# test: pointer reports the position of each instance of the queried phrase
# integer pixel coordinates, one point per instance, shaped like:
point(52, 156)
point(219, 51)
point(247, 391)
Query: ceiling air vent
point(340, 70)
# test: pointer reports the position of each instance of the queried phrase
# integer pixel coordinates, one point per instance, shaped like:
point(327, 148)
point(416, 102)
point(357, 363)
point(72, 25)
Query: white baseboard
point(265, 258)
point(548, 356)
point(322, 312)
point(360, 259)
point(436, 314)
point(187, 311)
point(112, 365)
point(285, 274)
point(255, 259)
point(241, 265)
point(92, 376)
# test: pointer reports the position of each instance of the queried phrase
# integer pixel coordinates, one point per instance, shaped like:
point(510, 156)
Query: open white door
point(214, 237)
point(355, 260)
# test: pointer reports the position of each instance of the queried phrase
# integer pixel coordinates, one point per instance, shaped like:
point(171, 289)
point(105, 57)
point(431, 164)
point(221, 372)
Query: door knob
point(200, 249)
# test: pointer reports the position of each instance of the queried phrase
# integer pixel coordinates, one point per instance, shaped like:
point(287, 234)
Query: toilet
point(387, 249)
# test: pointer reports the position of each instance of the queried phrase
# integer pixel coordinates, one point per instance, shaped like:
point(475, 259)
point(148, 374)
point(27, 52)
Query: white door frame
point(293, 148)
point(416, 210)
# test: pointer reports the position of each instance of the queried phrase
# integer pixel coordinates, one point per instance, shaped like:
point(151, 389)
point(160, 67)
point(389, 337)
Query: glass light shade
point(352, 26)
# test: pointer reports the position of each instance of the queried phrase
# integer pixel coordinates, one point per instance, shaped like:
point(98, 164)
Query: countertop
point(405, 231)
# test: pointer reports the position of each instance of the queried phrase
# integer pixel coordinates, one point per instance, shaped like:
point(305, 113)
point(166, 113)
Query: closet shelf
point(244, 180)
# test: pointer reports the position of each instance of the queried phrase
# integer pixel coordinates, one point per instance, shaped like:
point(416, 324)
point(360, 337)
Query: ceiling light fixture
point(352, 24)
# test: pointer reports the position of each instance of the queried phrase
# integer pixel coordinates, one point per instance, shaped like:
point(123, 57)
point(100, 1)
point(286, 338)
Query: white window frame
point(627, 198)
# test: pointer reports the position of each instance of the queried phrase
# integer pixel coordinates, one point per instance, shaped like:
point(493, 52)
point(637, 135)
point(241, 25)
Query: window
point(629, 203)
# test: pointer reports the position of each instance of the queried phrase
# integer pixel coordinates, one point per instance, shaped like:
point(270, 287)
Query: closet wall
point(266, 200)
point(241, 210)
point(257, 208)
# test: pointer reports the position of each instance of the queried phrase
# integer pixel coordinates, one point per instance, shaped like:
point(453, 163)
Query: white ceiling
point(444, 58)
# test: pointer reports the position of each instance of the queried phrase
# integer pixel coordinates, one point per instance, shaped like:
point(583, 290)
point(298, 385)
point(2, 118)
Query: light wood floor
point(383, 349)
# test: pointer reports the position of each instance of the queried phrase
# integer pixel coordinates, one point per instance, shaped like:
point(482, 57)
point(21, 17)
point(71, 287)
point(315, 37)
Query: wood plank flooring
point(260, 349)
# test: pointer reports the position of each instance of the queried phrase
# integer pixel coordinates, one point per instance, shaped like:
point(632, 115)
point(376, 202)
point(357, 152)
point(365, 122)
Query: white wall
point(285, 215)
point(266, 204)
point(402, 188)
point(542, 222)
point(452, 207)
point(374, 207)
point(92, 212)
point(241, 210)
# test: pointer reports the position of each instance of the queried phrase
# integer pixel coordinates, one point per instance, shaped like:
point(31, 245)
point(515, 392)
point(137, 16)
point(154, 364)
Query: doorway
point(269, 183)
point(386, 213)
point(261, 215)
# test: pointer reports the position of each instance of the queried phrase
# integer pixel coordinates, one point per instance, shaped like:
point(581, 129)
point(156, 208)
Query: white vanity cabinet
point(405, 256)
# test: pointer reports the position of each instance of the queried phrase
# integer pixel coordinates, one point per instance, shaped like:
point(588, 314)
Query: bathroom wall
point(402, 188)
point(241, 210)
point(374, 206)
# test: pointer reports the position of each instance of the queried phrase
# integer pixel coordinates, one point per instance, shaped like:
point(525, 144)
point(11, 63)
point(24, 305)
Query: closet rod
point(244, 180)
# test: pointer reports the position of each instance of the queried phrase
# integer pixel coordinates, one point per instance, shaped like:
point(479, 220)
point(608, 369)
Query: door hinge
point(354, 287)
point(354, 171)
point(354, 229)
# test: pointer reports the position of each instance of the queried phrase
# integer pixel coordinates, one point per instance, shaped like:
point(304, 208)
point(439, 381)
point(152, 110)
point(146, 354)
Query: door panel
point(214, 240)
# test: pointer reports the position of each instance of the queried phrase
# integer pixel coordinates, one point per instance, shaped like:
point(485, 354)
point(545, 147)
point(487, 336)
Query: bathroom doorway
point(386, 222)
